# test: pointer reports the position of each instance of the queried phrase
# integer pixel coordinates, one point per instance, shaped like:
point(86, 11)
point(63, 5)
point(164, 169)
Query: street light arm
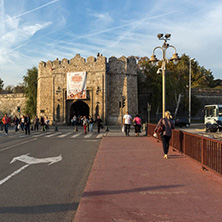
point(175, 51)
point(158, 47)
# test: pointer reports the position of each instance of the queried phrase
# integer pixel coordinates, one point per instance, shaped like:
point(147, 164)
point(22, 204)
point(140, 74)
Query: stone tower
point(106, 84)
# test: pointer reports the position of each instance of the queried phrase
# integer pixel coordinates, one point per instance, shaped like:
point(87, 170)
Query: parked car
point(182, 121)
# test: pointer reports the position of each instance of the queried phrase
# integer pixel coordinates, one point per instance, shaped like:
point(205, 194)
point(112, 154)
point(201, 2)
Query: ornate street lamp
point(164, 60)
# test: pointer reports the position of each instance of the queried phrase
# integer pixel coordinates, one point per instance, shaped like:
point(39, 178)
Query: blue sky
point(42, 30)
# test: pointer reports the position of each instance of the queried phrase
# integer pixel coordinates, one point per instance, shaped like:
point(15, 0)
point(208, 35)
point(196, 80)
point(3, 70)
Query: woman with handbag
point(165, 125)
point(137, 124)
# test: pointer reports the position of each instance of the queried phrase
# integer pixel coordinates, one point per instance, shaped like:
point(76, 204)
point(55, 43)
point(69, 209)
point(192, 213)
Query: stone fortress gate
point(105, 85)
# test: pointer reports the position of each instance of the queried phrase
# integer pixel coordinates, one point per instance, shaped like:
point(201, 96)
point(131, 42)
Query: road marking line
point(100, 135)
point(13, 174)
point(53, 134)
point(63, 135)
point(91, 140)
point(88, 136)
point(76, 135)
point(42, 134)
point(7, 148)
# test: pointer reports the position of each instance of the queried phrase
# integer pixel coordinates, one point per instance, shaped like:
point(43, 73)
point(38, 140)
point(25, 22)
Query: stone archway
point(79, 108)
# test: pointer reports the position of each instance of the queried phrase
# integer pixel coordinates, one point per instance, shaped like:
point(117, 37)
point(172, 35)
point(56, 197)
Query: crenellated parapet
point(122, 65)
point(77, 63)
point(91, 64)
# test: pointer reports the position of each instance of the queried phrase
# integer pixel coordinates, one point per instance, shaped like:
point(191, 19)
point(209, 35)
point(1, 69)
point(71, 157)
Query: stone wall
point(122, 82)
point(10, 102)
point(106, 83)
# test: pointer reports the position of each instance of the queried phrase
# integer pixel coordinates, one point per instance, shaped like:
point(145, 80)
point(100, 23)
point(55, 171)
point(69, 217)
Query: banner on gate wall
point(76, 85)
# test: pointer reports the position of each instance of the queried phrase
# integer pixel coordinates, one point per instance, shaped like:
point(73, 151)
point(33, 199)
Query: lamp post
point(164, 60)
point(190, 89)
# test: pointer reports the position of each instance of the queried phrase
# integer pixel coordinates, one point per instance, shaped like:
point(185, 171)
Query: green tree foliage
point(152, 83)
point(177, 81)
point(9, 89)
point(1, 85)
point(20, 88)
point(30, 84)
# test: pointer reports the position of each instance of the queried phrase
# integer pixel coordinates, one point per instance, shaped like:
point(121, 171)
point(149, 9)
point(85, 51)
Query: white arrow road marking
point(32, 160)
point(29, 161)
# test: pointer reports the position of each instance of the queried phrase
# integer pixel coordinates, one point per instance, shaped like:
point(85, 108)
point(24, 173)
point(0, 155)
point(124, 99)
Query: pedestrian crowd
point(24, 123)
point(87, 123)
point(127, 120)
point(42, 123)
point(164, 126)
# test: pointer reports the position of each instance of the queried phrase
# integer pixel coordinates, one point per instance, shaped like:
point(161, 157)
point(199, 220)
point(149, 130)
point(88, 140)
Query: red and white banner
point(76, 85)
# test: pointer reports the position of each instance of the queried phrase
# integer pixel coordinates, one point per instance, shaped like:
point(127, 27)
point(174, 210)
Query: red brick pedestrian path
point(130, 181)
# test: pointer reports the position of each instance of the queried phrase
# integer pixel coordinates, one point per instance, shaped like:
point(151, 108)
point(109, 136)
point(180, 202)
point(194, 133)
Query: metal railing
point(208, 152)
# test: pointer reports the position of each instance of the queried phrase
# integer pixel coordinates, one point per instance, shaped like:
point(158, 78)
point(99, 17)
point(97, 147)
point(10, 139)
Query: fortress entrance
point(79, 108)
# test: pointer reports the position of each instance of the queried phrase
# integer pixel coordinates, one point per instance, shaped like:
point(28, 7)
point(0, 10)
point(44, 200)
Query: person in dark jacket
point(27, 124)
point(16, 122)
point(168, 125)
point(98, 122)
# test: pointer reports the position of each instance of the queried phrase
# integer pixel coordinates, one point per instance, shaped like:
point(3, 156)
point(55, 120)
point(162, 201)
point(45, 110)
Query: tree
point(177, 81)
point(30, 84)
point(1, 85)
point(9, 89)
point(20, 88)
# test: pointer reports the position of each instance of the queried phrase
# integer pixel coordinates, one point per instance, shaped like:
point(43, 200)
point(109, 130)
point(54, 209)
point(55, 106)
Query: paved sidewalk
point(130, 181)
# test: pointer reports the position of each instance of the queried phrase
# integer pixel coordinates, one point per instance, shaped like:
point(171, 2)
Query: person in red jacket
point(5, 121)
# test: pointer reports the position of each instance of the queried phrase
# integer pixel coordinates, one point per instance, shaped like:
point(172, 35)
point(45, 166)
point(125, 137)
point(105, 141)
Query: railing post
point(202, 149)
point(184, 143)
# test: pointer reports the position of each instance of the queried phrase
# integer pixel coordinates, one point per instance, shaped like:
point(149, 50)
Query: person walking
point(167, 125)
point(42, 122)
point(5, 121)
point(91, 124)
point(46, 123)
point(22, 123)
point(16, 123)
point(127, 121)
point(27, 124)
point(74, 122)
point(85, 124)
point(98, 123)
point(137, 124)
point(36, 123)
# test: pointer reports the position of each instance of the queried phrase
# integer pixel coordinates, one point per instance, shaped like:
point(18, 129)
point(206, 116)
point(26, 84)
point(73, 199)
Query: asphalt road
point(32, 189)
